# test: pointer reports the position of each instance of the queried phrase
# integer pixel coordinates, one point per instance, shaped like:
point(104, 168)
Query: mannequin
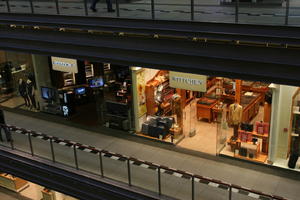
point(23, 92)
point(235, 117)
point(176, 109)
point(30, 92)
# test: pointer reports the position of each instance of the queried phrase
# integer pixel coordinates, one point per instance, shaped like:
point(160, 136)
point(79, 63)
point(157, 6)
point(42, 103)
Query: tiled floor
point(233, 171)
point(204, 140)
point(13, 102)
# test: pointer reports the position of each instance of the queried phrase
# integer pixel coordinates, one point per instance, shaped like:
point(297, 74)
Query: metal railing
point(282, 13)
point(133, 171)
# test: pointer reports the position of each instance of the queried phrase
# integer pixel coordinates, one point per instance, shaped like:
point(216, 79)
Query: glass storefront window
point(248, 120)
point(17, 81)
point(214, 115)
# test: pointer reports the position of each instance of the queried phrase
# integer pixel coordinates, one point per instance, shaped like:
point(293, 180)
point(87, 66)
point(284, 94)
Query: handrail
point(231, 34)
point(152, 6)
point(154, 166)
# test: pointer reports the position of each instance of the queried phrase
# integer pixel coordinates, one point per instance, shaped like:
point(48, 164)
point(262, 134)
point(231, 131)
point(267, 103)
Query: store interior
point(117, 97)
point(74, 90)
point(229, 117)
point(220, 116)
point(12, 187)
point(88, 93)
point(17, 82)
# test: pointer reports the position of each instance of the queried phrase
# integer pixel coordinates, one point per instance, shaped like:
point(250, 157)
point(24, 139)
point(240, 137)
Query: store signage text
point(188, 81)
point(64, 64)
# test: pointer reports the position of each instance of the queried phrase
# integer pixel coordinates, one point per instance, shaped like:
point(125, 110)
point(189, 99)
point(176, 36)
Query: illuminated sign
point(64, 64)
point(188, 81)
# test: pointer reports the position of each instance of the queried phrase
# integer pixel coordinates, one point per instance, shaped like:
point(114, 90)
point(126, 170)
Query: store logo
point(189, 81)
point(63, 64)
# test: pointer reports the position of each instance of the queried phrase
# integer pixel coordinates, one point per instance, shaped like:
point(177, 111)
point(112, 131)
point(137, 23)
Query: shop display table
point(204, 108)
point(252, 151)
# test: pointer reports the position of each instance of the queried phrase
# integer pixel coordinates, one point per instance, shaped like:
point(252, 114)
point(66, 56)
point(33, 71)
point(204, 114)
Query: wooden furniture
point(166, 94)
point(205, 110)
point(215, 111)
point(12, 183)
point(265, 141)
point(234, 144)
point(238, 91)
point(48, 194)
point(267, 112)
point(253, 148)
point(250, 109)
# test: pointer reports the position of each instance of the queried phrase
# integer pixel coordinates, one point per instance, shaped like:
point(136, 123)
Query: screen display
point(47, 93)
point(80, 90)
point(96, 82)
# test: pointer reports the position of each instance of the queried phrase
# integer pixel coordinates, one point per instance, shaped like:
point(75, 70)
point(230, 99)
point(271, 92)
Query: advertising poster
point(141, 95)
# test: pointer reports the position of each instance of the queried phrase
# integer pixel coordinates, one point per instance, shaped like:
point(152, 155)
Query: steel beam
point(223, 31)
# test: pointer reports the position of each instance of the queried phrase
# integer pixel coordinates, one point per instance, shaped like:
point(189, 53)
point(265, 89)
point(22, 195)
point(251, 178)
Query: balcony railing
point(147, 175)
point(271, 12)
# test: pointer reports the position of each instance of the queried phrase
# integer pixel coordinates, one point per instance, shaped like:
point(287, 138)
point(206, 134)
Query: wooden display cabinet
point(252, 108)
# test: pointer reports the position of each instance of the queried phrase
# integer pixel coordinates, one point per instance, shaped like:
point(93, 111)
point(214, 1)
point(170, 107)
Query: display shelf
point(261, 158)
point(154, 138)
point(259, 135)
point(295, 134)
point(296, 112)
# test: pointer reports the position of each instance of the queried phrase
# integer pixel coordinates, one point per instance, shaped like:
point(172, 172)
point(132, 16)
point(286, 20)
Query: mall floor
point(262, 178)
point(206, 137)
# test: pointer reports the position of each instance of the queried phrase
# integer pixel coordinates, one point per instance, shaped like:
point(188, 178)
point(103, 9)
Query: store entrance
point(200, 132)
point(214, 115)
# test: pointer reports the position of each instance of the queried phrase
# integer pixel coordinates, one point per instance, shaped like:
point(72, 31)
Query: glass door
point(193, 117)
point(222, 126)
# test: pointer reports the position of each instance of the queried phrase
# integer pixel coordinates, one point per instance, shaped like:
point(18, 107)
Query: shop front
point(247, 120)
point(88, 93)
point(214, 115)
